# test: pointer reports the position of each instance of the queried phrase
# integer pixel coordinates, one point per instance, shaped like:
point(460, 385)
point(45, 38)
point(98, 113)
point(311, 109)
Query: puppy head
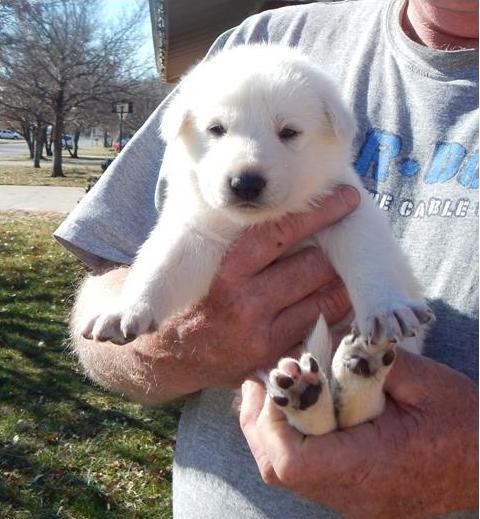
point(264, 131)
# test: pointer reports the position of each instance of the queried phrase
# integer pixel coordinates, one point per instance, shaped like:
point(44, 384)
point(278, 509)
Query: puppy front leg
point(173, 268)
point(378, 278)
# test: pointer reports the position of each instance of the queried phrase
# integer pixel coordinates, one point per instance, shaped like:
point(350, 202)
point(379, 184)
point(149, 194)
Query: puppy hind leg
point(359, 371)
point(301, 388)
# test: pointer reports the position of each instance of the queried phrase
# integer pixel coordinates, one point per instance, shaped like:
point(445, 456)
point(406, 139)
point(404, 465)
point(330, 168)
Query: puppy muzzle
point(247, 187)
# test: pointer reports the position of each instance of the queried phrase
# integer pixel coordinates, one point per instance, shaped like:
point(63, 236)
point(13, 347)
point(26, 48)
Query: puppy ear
point(175, 118)
point(340, 117)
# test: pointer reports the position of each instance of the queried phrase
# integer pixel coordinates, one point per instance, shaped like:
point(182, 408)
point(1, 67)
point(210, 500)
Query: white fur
point(254, 92)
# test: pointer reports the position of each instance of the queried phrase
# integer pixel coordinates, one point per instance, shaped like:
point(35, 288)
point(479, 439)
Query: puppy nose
point(247, 186)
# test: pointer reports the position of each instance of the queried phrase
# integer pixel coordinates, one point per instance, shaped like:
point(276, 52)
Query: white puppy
point(254, 133)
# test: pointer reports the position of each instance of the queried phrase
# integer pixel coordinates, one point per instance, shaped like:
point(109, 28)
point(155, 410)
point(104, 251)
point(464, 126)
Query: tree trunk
point(28, 138)
point(57, 137)
point(57, 170)
point(76, 138)
point(105, 139)
point(38, 144)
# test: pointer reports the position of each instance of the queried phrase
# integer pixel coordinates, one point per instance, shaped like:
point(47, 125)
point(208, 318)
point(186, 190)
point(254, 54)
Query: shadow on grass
point(53, 408)
point(61, 409)
point(44, 482)
point(67, 448)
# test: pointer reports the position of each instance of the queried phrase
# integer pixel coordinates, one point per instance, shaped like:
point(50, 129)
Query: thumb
point(408, 380)
point(260, 245)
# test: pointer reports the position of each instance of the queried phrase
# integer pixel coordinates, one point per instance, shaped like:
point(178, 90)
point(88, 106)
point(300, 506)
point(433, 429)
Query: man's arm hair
point(145, 370)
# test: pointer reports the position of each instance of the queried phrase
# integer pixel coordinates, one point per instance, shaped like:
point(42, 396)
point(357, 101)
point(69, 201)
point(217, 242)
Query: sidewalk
point(39, 198)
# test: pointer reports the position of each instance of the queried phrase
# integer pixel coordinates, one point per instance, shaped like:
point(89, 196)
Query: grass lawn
point(92, 151)
point(14, 171)
point(30, 176)
point(67, 449)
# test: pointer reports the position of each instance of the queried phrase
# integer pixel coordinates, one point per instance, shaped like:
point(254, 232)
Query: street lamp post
point(122, 108)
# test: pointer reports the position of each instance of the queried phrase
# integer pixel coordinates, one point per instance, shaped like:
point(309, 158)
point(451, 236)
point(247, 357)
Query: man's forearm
point(146, 370)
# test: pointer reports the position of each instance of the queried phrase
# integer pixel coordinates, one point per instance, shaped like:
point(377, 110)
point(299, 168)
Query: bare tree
point(145, 94)
point(59, 58)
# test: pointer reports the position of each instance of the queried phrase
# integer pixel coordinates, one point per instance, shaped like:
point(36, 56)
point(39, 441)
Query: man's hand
point(418, 459)
point(258, 308)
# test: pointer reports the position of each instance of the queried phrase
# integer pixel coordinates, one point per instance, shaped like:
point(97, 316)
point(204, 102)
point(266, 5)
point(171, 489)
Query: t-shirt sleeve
point(115, 217)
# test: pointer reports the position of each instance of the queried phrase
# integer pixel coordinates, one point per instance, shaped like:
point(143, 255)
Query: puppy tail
point(319, 343)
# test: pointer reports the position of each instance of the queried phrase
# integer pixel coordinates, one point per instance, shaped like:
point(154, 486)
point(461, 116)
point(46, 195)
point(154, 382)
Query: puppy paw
point(296, 384)
point(301, 390)
point(359, 370)
point(394, 321)
point(361, 359)
point(120, 327)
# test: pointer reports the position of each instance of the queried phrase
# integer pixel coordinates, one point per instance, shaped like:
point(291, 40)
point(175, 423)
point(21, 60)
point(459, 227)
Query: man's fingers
point(259, 246)
point(412, 378)
point(296, 276)
point(293, 324)
point(333, 302)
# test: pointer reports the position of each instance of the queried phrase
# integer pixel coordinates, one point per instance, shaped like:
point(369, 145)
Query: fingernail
point(349, 195)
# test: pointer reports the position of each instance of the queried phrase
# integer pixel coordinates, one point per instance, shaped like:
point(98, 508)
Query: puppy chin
point(252, 214)
point(246, 213)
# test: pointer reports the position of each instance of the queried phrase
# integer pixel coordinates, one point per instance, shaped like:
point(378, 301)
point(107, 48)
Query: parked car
point(116, 144)
point(9, 134)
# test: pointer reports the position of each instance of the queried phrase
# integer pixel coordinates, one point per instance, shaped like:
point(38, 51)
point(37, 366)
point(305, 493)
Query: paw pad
point(297, 384)
point(282, 401)
point(364, 359)
point(359, 366)
point(284, 381)
point(388, 358)
point(310, 396)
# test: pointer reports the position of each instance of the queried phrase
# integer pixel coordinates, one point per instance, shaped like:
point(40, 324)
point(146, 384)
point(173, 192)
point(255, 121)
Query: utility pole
point(122, 108)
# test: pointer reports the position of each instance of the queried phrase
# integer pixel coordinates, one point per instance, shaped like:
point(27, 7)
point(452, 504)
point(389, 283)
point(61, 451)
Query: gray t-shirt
point(416, 149)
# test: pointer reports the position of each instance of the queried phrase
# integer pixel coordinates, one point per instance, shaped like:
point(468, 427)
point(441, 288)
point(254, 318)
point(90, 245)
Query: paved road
point(10, 148)
point(39, 198)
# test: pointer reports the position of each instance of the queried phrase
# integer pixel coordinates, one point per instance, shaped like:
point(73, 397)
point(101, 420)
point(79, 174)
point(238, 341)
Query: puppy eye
point(217, 129)
point(288, 133)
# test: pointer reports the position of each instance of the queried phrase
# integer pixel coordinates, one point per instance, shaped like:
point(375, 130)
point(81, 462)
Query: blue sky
point(114, 10)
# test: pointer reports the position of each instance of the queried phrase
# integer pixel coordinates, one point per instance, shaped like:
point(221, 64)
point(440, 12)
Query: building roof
point(184, 30)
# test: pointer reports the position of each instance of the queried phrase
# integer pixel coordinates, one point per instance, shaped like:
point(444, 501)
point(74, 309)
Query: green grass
point(92, 151)
point(16, 175)
point(67, 448)
point(14, 171)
